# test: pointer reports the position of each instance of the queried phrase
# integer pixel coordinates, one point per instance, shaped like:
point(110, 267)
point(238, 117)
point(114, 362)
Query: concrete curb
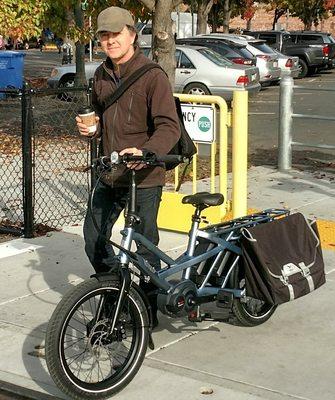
point(23, 393)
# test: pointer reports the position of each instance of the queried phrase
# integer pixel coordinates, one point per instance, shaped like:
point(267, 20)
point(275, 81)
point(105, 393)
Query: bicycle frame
point(220, 238)
point(98, 335)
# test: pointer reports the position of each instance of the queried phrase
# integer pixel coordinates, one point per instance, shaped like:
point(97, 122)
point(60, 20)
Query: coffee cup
point(87, 116)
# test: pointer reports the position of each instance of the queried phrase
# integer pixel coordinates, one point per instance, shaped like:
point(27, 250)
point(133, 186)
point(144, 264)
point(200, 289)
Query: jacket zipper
point(112, 141)
point(130, 106)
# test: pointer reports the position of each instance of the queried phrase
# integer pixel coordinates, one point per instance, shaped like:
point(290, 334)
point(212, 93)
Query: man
point(144, 118)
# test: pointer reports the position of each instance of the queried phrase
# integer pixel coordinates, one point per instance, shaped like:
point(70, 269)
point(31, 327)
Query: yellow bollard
point(240, 153)
point(171, 205)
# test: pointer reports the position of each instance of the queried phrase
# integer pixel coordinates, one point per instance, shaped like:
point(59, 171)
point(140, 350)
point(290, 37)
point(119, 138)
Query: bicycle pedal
point(224, 299)
point(195, 316)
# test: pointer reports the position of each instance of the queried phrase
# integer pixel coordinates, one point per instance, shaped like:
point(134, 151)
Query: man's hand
point(135, 152)
point(83, 128)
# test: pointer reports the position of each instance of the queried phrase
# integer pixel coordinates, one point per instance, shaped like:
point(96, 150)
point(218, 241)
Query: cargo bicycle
point(99, 333)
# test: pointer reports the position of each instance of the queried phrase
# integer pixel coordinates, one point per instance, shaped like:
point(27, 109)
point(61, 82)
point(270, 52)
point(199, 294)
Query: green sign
point(204, 124)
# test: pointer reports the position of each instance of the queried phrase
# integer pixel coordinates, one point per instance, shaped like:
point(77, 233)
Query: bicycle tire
point(247, 310)
point(95, 342)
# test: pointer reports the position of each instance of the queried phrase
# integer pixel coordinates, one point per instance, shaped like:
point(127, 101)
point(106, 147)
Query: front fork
point(125, 278)
point(125, 281)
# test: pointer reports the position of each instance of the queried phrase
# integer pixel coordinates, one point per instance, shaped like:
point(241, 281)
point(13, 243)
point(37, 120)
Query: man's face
point(118, 45)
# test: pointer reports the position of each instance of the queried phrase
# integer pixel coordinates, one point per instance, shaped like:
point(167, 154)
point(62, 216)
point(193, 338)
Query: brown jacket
point(144, 116)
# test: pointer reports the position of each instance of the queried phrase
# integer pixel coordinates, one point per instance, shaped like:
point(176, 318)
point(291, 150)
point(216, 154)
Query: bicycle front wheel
point(85, 359)
point(248, 310)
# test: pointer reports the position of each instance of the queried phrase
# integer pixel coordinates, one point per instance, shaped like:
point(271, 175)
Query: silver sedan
point(267, 64)
point(63, 76)
point(199, 70)
point(289, 65)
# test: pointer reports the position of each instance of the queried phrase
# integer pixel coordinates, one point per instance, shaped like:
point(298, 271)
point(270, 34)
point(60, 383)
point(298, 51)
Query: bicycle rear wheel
point(85, 360)
point(249, 311)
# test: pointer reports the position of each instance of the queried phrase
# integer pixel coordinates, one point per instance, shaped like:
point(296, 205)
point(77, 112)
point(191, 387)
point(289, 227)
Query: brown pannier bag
point(282, 259)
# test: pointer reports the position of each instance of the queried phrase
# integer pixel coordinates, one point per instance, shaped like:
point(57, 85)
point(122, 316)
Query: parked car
point(30, 43)
point(63, 76)
point(288, 65)
point(199, 70)
point(311, 57)
point(317, 38)
point(237, 53)
point(267, 64)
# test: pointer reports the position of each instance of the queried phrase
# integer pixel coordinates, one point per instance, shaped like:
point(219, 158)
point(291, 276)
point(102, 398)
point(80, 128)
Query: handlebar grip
point(173, 158)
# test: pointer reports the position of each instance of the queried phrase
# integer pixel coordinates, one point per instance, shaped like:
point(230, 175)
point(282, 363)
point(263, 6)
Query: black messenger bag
point(282, 259)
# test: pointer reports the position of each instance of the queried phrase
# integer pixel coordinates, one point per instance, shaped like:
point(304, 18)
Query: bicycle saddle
point(204, 198)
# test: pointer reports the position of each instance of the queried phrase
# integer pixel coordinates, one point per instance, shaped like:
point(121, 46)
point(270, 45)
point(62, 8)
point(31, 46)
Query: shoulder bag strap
point(125, 85)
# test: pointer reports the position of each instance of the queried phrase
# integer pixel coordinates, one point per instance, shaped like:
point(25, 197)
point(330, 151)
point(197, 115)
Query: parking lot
point(275, 361)
point(263, 123)
point(263, 111)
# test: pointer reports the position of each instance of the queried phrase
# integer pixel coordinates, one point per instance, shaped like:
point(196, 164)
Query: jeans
point(108, 203)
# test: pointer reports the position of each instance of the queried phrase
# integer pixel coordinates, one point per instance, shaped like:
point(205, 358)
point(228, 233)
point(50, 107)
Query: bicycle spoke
point(75, 329)
point(76, 357)
point(73, 344)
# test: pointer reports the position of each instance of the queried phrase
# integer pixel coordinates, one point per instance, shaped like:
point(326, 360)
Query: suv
point(311, 56)
point(317, 38)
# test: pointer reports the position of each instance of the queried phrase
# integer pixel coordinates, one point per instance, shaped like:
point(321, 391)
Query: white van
point(184, 25)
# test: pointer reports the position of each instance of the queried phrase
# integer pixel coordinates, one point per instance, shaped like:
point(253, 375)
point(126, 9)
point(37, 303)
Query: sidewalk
point(292, 356)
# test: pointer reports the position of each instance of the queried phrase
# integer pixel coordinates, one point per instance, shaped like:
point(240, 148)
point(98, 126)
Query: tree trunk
point(215, 18)
point(201, 19)
point(70, 21)
point(276, 18)
point(204, 7)
point(80, 78)
point(226, 16)
point(163, 42)
point(308, 25)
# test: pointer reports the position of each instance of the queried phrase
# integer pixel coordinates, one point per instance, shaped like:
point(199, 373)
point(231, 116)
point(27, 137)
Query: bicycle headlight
point(115, 159)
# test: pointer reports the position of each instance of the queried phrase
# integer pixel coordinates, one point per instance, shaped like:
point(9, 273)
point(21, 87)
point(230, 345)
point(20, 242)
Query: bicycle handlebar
point(147, 158)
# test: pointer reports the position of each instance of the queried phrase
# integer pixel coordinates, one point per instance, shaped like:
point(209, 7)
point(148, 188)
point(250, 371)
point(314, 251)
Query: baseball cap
point(114, 19)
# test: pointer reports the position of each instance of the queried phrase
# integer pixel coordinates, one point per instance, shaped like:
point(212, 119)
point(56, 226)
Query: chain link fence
point(44, 180)
point(11, 200)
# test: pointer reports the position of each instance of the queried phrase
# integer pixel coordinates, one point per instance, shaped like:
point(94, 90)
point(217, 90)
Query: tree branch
point(208, 7)
point(150, 4)
point(176, 3)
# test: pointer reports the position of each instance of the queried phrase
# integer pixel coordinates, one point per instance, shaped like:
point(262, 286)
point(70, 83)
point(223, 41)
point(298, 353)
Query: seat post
point(194, 228)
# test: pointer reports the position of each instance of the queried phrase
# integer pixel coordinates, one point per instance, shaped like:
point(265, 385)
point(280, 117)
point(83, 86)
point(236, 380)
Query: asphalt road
point(39, 64)
point(263, 111)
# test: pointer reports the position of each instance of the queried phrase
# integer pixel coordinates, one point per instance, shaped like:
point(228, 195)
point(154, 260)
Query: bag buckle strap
point(284, 280)
point(304, 269)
